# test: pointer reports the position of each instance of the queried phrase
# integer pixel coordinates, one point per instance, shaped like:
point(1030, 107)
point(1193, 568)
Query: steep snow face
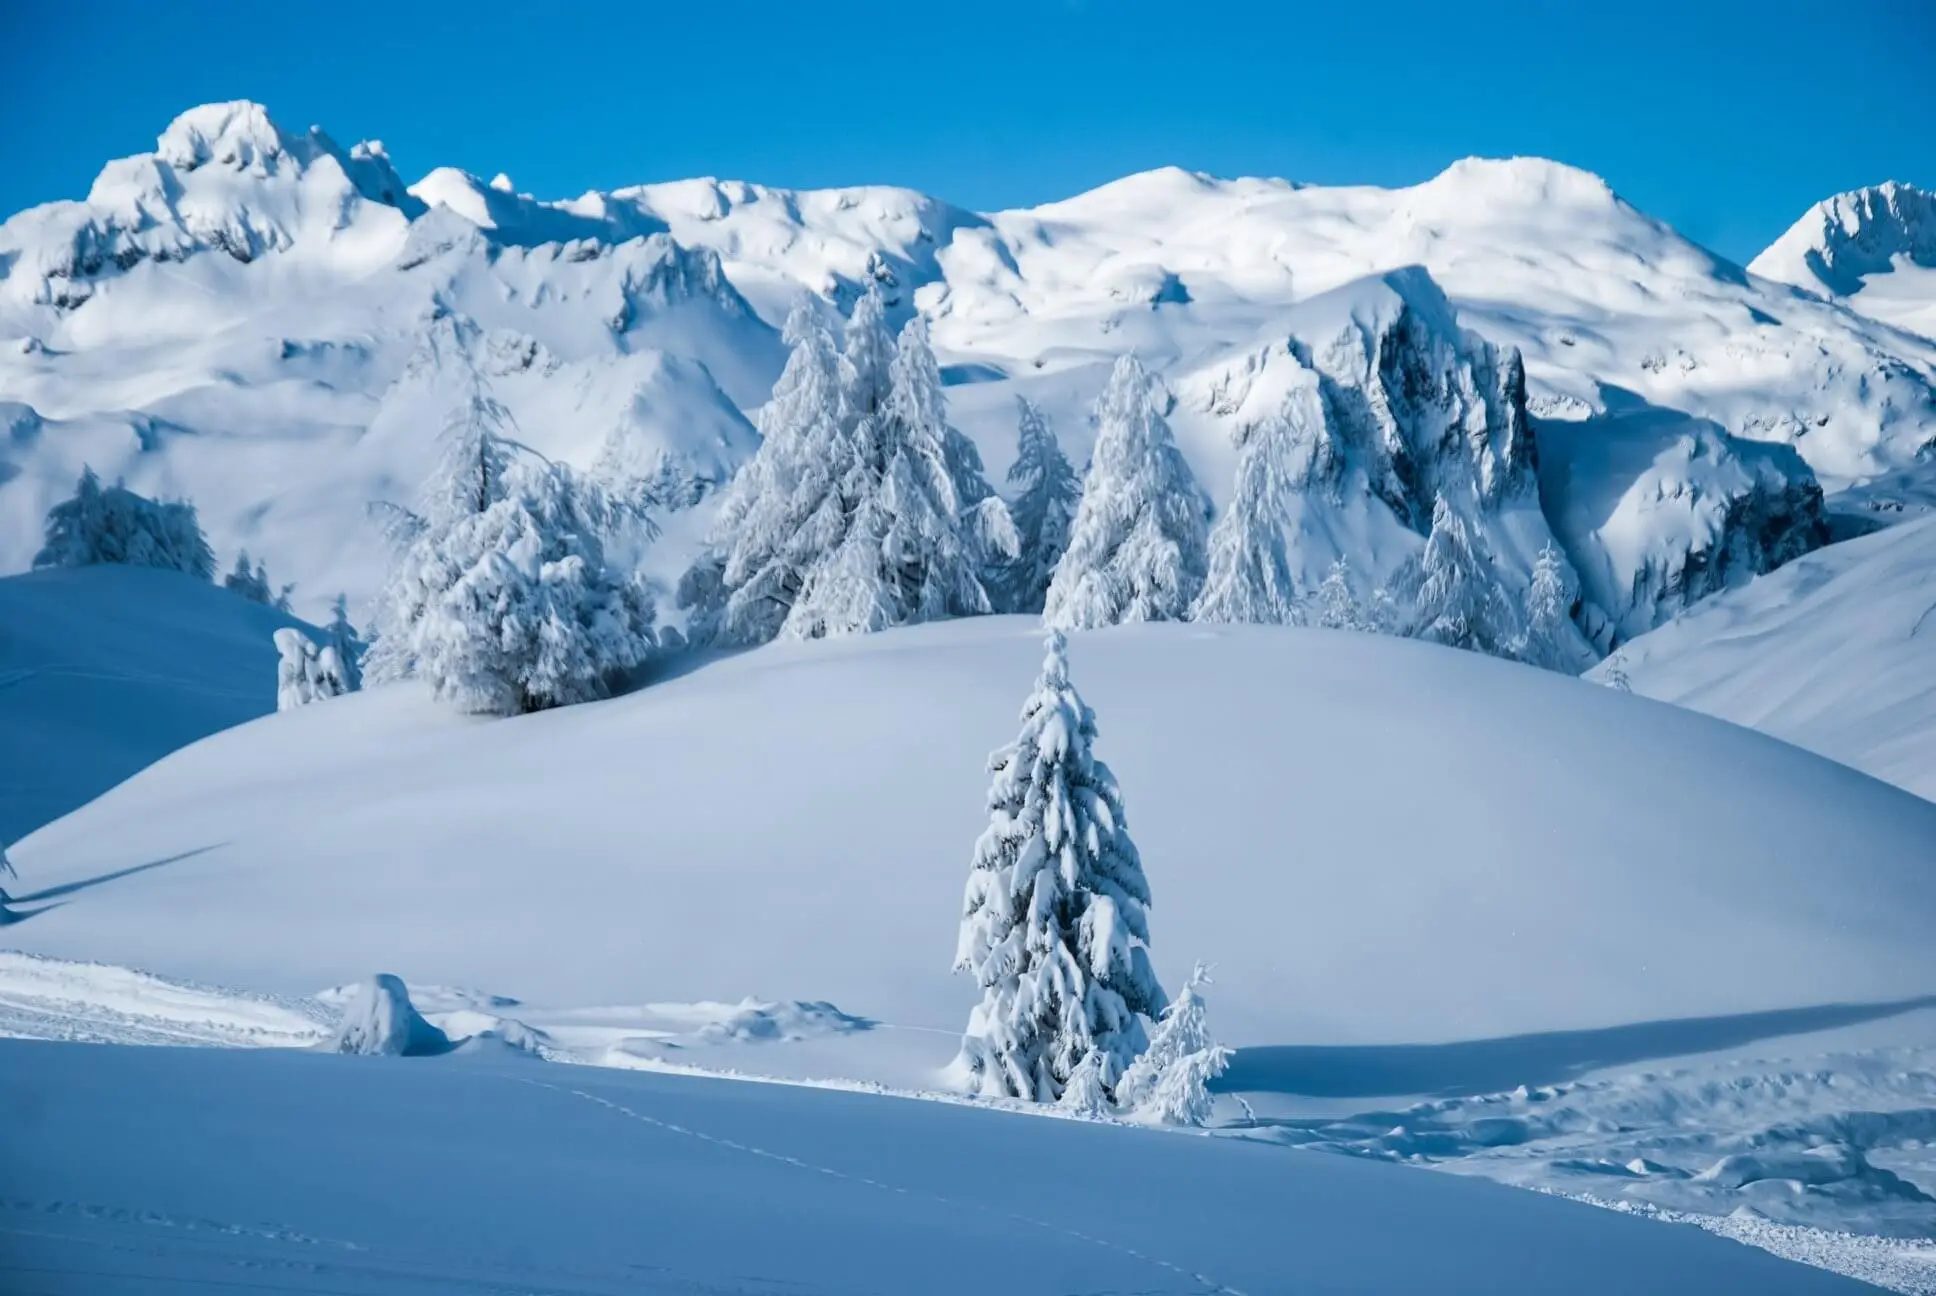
point(1659, 510)
point(1875, 247)
point(1836, 652)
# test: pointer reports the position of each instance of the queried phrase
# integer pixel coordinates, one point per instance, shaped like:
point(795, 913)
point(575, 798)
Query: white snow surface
point(1835, 652)
point(245, 317)
point(499, 1174)
point(1520, 820)
point(104, 670)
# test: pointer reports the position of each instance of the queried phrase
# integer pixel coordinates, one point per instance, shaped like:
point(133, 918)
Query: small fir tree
point(1055, 925)
point(1169, 1083)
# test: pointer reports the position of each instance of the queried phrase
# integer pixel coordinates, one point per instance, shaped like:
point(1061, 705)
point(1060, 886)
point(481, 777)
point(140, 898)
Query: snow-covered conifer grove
point(1137, 545)
point(863, 509)
point(1055, 925)
point(500, 596)
point(114, 525)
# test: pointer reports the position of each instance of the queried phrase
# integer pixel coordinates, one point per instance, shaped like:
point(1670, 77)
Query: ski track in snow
point(1203, 1281)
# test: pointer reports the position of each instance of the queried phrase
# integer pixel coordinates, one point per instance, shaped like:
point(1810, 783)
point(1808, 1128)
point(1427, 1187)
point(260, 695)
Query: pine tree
point(1169, 1082)
point(1459, 603)
point(783, 513)
point(904, 558)
point(1136, 548)
point(1336, 606)
point(345, 642)
point(502, 599)
point(1044, 510)
point(1549, 635)
point(1055, 925)
point(116, 526)
point(1250, 576)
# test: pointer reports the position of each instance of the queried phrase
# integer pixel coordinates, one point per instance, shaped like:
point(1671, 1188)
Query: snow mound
point(1835, 652)
point(379, 1021)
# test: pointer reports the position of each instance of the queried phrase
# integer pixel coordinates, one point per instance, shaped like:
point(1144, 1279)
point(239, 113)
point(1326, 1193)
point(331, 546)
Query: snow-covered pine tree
point(501, 598)
point(784, 512)
point(1043, 510)
point(904, 557)
point(1055, 925)
point(1136, 548)
point(1169, 1083)
point(1249, 577)
point(1335, 606)
point(99, 525)
point(346, 642)
point(1548, 640)
point(1459, 603)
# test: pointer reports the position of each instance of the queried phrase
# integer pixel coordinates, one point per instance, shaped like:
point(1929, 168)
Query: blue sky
point(1726, 119)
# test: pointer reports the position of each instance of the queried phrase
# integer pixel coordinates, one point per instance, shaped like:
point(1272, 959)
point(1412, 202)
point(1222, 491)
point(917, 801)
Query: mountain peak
point(1841, 240)
point(238, 134)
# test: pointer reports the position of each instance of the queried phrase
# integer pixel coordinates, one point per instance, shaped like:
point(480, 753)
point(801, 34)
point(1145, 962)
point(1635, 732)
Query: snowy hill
point(496, 1175)
point(104, 670)
point(275, 326)
point(1424, 876)
point(1874, 248)
point(1835, 652)
point(612, 875)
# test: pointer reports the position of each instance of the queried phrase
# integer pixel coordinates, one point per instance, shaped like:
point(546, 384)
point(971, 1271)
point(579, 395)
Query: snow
point(1873, 248)
point(496, 1171)
point(1835, 652)
point(593, 884)
point(104, 670)
point(238, 318)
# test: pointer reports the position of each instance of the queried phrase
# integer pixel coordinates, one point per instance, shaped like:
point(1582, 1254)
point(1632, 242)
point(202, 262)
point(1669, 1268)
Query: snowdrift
point(106, 669)
point(1375, 840)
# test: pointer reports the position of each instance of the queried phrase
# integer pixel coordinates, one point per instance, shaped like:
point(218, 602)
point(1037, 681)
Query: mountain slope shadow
point(1492, 1065)
point(9, 915)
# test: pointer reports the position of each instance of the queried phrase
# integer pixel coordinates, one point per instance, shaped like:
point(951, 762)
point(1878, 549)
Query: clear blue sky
point(1727, 119)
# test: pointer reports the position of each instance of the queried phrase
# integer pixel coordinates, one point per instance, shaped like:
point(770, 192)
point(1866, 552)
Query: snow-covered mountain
point(276, 326)
point(1873, 248)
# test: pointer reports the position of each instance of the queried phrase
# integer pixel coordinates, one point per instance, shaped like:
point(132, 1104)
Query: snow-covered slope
point(1423, 876)
point(106, 669)
point(1874, 248)
point(606, 852)
point(373, 1177)
point(246, 316)
point(1835, 652)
